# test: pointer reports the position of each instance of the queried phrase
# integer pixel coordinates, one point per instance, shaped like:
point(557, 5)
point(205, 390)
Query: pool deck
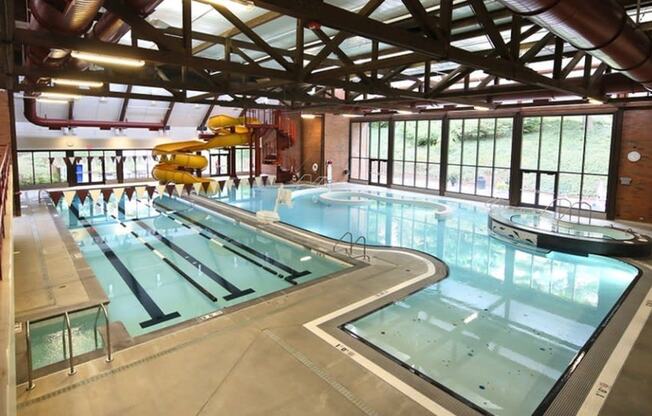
point(260, 359)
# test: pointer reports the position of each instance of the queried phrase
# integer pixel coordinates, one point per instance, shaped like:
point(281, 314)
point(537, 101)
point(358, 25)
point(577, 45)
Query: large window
point(369, 140)
point(138, 164)
point(417, 153)
point(577, 149)
point(41, 168)
point(242, 160)
point(479, 156)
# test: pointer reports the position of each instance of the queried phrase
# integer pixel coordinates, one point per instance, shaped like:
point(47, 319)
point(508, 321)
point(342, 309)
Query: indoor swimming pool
point(503, 330)
point(164, 261)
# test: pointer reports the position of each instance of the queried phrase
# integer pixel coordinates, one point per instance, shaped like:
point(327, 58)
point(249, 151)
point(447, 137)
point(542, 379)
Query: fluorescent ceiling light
point(595, 101)
point(404, 112)
point(60, 96)
point(77, 83)
point(232, 5)
point(308, 116)
point(107, 59)
point(481, 108)
point(350, 115)
point(50, 101)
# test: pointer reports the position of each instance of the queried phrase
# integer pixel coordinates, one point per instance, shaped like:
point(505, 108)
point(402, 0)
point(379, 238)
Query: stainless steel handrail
point(341, 239)
point(102, 308)
point(364, 255)
point(67, 330)
point(304, 175)
point(553, 202)
point(28, 343)
point(579, 204)
point(71, 353)
point(320, 180)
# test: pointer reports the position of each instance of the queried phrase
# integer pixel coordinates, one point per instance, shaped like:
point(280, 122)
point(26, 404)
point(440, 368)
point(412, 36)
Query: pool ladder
point(66, 332)
point(351, 243)
point(571, 205)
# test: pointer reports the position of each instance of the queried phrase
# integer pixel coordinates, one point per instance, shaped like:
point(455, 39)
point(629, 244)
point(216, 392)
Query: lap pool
point(164, 261)
point(503, 330)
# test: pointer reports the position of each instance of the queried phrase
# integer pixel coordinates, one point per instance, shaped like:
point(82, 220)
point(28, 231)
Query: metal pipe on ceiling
point(32, 116)
point(601, 28)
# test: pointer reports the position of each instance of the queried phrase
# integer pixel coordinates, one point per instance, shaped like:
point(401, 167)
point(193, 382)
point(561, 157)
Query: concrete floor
point(253, 361)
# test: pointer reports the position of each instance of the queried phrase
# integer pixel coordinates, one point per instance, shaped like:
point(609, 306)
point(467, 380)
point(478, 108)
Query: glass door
point(219, 164)
point(378, 172)
point(540, 189)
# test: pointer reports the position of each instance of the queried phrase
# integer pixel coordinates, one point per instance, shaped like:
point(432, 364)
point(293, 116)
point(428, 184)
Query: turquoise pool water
point(502, 329)
point(164, 262)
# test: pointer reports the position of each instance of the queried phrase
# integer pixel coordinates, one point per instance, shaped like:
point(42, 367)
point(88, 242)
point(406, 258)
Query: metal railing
point(580, 204)
point(553, 203)
point(320, 180)
point(66, 338)
point(351, 243)
point(304, 176)
point(364, 255)
point(349, 252)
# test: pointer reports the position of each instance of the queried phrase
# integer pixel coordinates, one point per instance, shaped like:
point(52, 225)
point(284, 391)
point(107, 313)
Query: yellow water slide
point(178, 160)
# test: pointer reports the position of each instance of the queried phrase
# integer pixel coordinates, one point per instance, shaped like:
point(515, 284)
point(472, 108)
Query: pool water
point(163, 262)
point(545, 222)
point(502, 329)
point(50, 340)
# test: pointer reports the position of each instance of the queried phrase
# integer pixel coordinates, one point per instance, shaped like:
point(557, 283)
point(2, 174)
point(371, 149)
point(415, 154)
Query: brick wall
point(5, 127)
point(336, 145)
point(634, 202)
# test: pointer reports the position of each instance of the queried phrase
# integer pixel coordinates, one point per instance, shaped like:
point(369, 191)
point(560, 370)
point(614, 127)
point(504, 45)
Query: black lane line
point(294, 274)
point(155, 313)
point(290, 279)
point(174, 267)
point(234, 291)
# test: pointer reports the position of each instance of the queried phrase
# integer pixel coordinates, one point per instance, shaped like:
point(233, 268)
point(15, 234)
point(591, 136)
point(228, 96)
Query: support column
point(515, 176)
point(614, 161)
point(14, 153)
point(443, 165)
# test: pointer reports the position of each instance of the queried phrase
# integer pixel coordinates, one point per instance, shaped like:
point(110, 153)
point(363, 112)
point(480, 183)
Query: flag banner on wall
point(90, 158)
point(51, 160)
point(118, 193)
point(228, 184)
point(222, 184)
point(71, 160)
point(197, 187)
point(271, 180)
point(265, 180)
point(145, 157)
point(161, 189)
point(82, 194)
point(150, 191)
point(69, 196)
point(106, 192)
point(213, 188)
point(56, 197)
point(129, 192)
point(95, 194)
point(179, 188)
point(141, 191)
point(113, 158)
point(259, 181)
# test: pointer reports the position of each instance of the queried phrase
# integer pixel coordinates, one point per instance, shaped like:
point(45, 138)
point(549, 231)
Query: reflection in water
point(502, 328)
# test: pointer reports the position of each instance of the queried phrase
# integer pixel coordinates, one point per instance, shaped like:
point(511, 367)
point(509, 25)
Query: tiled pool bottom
point(163, 262)
point(500, 332)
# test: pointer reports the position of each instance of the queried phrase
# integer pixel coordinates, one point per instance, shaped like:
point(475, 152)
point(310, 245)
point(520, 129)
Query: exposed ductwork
point(601, 28)
point(31, 115)
point(75, 17)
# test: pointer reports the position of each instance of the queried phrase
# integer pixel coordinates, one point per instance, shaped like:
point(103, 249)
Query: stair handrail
point(579, 204)
point(341, 240)
point(67, 331)
point(364, 255)
point(554, 202)
point(304, 175)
